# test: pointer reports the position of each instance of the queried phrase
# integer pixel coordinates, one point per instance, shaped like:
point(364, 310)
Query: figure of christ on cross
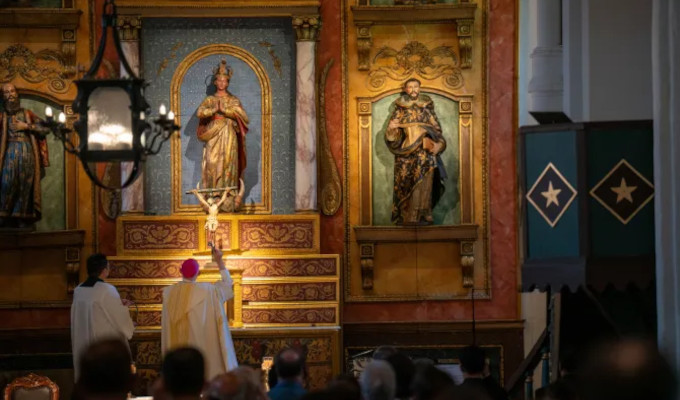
point(212, 204)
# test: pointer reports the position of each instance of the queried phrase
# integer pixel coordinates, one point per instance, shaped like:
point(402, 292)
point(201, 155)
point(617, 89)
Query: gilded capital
point(306, 28)
point(129, 27)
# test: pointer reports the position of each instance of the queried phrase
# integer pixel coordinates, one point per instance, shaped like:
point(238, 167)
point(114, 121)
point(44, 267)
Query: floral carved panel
point(144, 269)
point(160, 235)
point(297, 291)
point(290, 316)
point(276, 235)
point(286, 267)
point(142, 294)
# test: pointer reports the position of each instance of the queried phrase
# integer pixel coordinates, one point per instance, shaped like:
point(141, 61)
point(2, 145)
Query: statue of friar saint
point(23, 157)
point(414, 136)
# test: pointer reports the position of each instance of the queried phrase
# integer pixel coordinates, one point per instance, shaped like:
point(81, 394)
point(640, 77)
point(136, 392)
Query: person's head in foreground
point(382, 352)
point(105, 371)
point(183, 373)
point(345, 387)
point(237, 384)
point(378, 381)
point(472, 361)
point(627, 369)
point(289, 365)
point(429, 382)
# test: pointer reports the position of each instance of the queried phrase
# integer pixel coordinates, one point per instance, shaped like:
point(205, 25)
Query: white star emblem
point(551, 195)
point(623, 191)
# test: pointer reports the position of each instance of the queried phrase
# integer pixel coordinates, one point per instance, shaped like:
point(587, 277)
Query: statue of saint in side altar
point(223, 124)
point(23, 158)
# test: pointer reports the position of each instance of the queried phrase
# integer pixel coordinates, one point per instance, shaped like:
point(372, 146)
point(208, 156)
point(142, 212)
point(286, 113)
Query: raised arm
point(225, 286)
point(222, 200)
point(201, 200)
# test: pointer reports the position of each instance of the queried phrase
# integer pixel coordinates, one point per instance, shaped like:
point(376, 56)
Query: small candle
point(48, 112)
point(62, 117)
point(162, 110)
point(142, 115)
point(171, 115)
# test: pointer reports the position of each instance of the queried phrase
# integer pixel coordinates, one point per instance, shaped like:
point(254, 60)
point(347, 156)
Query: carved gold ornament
point(275, 59)
point(46, 64)
point(330, 197)
point(416, 59)
point(306, 27)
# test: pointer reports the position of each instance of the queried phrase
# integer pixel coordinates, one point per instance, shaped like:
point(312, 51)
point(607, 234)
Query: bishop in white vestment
point(97, 311)
point(194, 315)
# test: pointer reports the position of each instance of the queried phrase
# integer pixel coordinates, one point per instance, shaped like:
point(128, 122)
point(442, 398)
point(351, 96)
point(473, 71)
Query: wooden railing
point(525, 372)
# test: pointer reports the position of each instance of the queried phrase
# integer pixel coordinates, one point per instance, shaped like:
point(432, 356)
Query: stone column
point(306, 33)
point(545, 86)
point(129, 27)
point(666, 99)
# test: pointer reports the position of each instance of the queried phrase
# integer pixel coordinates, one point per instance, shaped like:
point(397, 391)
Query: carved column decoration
point(68, 51)
point(331, 188)
point(128, 28)
point(364, 43)
point(237, 276)
point(72, 259)
point(307, 28)
point(306, 33)
point(465, 28)
point(132, 197)
point(367, 251)
point(467, 261)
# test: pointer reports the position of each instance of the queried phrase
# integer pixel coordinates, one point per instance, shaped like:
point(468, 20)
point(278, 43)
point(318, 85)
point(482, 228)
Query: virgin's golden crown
point(223, 69)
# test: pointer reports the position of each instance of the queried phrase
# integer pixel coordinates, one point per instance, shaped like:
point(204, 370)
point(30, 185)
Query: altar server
point(97, 311)
point(194, 315)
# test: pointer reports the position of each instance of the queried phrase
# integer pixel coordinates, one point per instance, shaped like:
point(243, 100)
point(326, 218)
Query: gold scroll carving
point(47, 64)
point(416, 58)
point(330, 197)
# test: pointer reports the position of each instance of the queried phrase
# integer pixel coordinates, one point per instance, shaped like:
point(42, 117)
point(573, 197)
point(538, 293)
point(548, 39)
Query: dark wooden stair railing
point(525, 371)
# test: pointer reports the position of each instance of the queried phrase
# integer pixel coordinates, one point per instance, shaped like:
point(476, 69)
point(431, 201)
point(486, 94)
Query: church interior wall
point(619, 63)
point(368, 322)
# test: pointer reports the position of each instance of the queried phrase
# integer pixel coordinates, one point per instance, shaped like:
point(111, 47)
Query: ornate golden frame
point(264, 207)
point(465, 152)
point(440, 25)
point(199, 220)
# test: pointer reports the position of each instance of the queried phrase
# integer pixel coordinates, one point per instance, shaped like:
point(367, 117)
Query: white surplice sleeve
point(225, 287)
point(118, 314)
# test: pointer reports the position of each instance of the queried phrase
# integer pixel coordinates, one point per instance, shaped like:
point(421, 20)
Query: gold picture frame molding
point(263, 207)
point(465, 152)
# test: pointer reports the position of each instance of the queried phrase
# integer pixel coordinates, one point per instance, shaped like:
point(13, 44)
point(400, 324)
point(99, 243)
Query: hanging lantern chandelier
point(113, 123)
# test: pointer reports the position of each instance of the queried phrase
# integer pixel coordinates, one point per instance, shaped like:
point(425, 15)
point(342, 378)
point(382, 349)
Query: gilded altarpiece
point(440, 45)
point(285, 292)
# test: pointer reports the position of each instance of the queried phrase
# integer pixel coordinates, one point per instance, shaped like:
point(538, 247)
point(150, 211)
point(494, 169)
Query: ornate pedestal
point(286, 293)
